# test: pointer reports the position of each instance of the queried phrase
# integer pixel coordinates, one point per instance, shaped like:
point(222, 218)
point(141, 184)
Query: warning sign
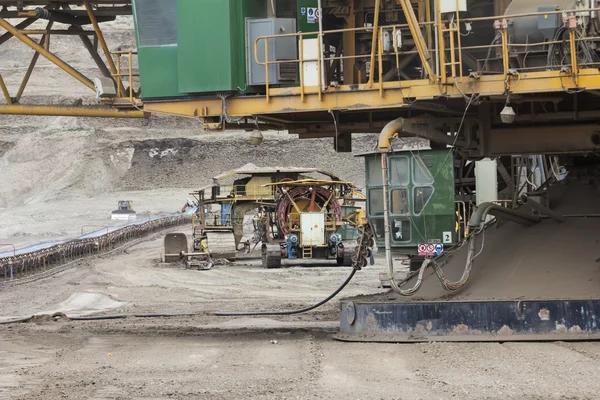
point(430, 249)
point(312, 15)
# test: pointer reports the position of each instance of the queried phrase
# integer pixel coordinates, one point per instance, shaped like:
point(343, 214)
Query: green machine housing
point(421, 199)
point(190, 48)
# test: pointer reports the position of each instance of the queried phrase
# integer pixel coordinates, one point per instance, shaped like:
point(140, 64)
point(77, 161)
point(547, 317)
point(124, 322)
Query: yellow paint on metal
point(51, 57)
point(5, 91)
point(102, 42)
point(309, 182)
point(70, 111)
point(351, 98)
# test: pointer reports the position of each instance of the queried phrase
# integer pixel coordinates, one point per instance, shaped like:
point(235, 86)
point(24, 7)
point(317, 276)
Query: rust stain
point(575, 329)
point(419, 329)
point(561, 328)
point(544, 314)
point(371, 321)
point(505, 331)
point(460, 329)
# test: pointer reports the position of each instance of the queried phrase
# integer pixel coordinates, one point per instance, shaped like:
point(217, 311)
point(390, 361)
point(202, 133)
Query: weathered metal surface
point(470, 321)
point(221, 245)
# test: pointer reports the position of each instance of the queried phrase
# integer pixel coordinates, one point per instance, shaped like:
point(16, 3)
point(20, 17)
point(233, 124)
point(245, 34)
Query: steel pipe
point(479, 216)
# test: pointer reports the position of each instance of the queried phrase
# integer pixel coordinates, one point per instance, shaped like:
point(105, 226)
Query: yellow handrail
point(447, 43)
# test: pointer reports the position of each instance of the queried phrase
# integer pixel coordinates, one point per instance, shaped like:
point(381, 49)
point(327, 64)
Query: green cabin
point(190, 48)
point(421, 198)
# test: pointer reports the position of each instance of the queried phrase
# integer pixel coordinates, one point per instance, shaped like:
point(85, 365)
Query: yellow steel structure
point(430, 102)
point(375, 96)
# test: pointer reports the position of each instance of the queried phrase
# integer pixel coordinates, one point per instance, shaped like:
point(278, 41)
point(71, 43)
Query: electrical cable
point(220, 314)
point(290, 312)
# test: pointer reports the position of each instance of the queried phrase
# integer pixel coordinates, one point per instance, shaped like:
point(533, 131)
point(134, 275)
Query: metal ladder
point(307, 252)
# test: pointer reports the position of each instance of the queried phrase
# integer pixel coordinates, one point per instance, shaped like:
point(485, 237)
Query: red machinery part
point(303, 192)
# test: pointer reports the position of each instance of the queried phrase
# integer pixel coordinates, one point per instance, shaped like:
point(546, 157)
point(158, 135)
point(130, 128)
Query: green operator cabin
point(421, 198)
point(192, 47)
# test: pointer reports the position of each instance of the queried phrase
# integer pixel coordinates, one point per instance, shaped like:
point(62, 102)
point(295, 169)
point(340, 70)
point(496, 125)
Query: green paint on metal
point(211, 43)
point(307, 18)
point(421, 198)
point(158, 62)
point(158, 71)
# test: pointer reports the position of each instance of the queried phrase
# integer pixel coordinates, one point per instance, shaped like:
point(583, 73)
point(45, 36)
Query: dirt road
point(205, 357)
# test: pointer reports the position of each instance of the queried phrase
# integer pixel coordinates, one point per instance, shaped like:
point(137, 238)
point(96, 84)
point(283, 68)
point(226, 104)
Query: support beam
point(349, 46)
point(57, 111)
point(553, 139)
point(5, 91)
point(48, 55)
point(102, 42)
point(97, 59)
point(374, 43)
point(22, 25)
point(45, 41)
point(415, 31)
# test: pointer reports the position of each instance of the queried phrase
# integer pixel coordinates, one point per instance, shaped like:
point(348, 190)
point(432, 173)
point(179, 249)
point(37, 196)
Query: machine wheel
point(346, 260)
point(271, 256)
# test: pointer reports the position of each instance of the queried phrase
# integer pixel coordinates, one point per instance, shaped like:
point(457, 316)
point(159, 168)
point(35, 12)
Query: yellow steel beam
point(349, 46)
point(5, 91)
point(45, 40)
point(48, 55)
point(102, 42)
point(347, 97)
point(70, 111)
point(21, 25)
point(374, 43)
point(415, 31)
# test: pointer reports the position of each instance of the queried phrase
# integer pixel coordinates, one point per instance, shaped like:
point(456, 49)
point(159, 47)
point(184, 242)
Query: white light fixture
point(507, 115)
point(256, 137)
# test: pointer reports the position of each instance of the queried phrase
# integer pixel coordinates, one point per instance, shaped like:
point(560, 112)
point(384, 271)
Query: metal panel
point(470, 321)
point(448, 6)
point(486, 180)
point(306, 24)
point(310, 51)
point(211, 41)
point(312, 226)
point(157, 60)
point(279, 49)
point(156, 22)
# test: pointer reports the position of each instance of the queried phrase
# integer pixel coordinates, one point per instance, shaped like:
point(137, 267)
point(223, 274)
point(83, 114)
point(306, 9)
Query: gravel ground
point(208, 357)
point(58, 174)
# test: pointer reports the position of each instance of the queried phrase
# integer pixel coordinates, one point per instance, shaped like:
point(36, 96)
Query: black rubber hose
point(220, 314)
point(289, 312)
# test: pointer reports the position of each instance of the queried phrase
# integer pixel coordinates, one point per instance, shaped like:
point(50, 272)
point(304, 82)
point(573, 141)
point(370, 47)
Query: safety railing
point(239, 192)
point(444, 63)
point(128, 73)
point(218, 219)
